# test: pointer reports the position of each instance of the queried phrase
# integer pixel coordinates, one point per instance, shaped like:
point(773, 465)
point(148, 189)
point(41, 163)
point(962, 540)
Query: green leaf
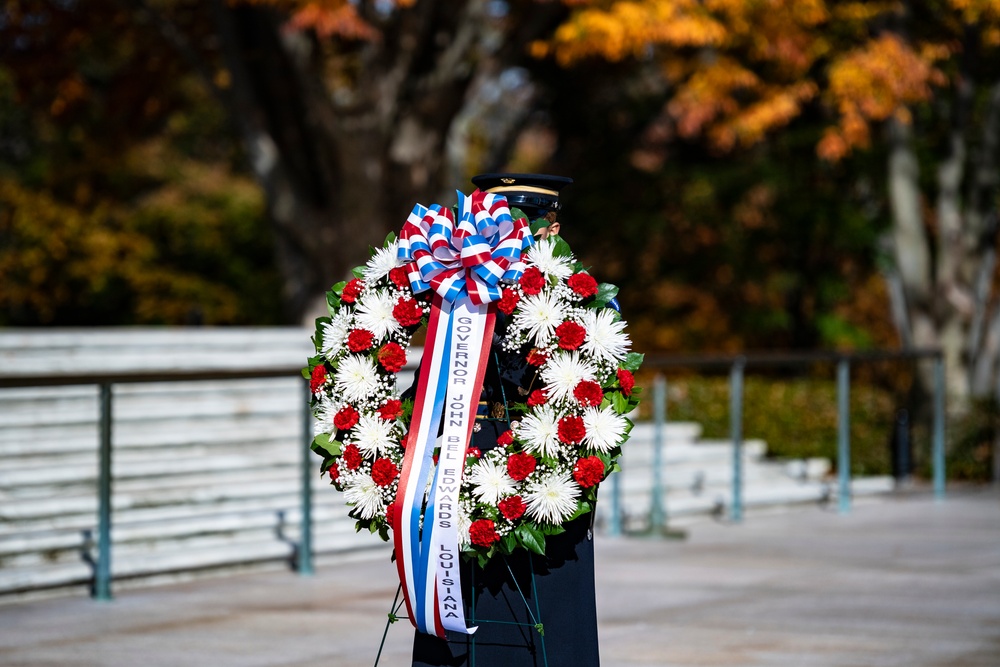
point(318, 333)
point(620, 403)
point(307, 372)
point(551, 529)
point(632, 361)
point(507, 543)
point(531, 538)
point(605, 292)
point(390, 238)
point(517, 213)
point(358, 272)
point(561, 248)
point(337, 289)
point(581, 509)
point(324, 443)
point(332, 303)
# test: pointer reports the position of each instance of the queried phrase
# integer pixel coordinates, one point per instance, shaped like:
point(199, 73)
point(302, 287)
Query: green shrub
point(797, 417)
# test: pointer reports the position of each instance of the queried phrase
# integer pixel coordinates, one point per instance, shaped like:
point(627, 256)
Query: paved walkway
point(900, 582)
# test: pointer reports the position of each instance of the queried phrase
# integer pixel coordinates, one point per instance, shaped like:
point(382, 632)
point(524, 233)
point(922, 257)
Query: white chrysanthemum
point(323, 413)
point(563, 372)
point(552, 498)
point(540, 431)
point(381, 263)
point(462, 526)
point(605, 428)
point(490, 481)
point(606, 339)
point(374, 313)
point(335, 334)
point(541, 255)
point(356, 378)
point(362, 492)
point(373, 435)
point(540, 314)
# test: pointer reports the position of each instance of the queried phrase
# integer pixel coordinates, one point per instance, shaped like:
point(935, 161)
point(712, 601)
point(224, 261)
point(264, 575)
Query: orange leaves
point(977, 11)
point(714, 101)
point(330, 18)
point(710, 92)
point(740, 69)
point(629, 28)
point(775, 109)
point(871, 84)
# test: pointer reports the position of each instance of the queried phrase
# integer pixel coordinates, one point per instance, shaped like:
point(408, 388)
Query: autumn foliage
point(740, 70)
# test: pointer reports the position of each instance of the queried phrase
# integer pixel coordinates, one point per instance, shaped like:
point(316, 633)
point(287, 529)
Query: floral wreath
point(563, 441)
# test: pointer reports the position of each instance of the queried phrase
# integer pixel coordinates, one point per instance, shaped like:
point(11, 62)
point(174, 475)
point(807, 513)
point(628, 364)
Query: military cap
point(539, 192)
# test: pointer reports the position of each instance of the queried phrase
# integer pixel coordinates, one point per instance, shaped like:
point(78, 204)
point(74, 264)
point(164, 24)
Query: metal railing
point(737, 366)
point(101, 589)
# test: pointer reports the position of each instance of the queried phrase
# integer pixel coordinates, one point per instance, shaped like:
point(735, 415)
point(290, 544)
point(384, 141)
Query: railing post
point(102, 572)
point(657, 512)
point(305, 565)
point(736, 433)
point(938, 444)
point(615, 524)
point(844, 435)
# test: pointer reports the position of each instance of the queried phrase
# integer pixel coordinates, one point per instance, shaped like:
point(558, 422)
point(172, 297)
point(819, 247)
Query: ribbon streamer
point(463, 262)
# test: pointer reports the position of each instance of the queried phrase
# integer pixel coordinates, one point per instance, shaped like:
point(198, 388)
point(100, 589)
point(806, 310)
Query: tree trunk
point(341, 168)
point(911, 248)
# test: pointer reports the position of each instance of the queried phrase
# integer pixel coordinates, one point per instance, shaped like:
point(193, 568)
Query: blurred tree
point(118, 204)
point(736, 72)
point(343, 109)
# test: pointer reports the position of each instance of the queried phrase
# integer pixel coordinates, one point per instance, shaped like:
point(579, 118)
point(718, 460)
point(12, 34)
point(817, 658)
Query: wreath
point(563, 441)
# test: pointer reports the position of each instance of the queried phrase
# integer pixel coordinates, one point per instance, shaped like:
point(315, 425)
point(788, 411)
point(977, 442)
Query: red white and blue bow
point(463, 262)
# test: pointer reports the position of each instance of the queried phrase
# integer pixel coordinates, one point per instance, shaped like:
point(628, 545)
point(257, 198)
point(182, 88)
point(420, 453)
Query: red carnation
point(583, 284)
point(512, 508)
point(392, 357)
point(390, 515)
point(352, 457)
point(571, 430)
point(588, 472)
point(508, 301)
point(537, 398)
point(317, 378)
point(588, 393)
point(474, 452)
point(352, 290)
point(360, 340)
point(536, 357)
point(626, 380)
point(399, 278)
point(483, 533)
point(520, 466)
point(384, 471)
point(346, 418)
point(407, 312)
point(532, 281)
point(570, 335)
point(390, 409)
point(506, 438)
point(334, 472)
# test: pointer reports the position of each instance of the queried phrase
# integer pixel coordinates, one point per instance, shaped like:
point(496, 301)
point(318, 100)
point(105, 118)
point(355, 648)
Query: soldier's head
point(535, 194)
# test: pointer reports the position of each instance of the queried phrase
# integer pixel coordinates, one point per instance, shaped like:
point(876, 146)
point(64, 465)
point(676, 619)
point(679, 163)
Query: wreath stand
point(535, 616)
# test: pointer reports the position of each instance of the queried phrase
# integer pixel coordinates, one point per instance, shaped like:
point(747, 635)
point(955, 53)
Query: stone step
point(285, 499)
point(160, 401)
point(205, 555)
point(201, 432)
